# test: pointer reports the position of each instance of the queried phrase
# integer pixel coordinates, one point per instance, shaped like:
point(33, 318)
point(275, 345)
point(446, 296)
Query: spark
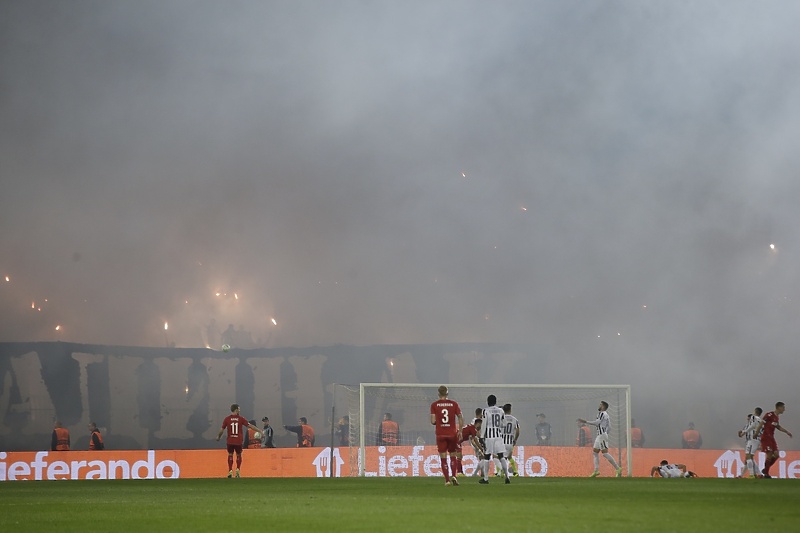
point(235, 296)
point(166, 326)
point(772, 247)
point(58, 328)
point(274, 322)
point(7, 278)
point(186, 389)
point(463, 175)
point(524, 208)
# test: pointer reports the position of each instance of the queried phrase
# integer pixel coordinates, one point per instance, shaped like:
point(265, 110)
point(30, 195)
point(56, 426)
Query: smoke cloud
point(613, 181)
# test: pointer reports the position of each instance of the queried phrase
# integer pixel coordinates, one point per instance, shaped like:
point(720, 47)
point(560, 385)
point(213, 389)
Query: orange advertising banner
point(422, 461)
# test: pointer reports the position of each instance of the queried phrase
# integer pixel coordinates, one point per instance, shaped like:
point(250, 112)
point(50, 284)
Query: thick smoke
point(614, 181)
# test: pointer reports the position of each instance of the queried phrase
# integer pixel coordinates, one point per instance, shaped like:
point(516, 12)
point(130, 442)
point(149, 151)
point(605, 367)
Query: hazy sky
point(602, 178)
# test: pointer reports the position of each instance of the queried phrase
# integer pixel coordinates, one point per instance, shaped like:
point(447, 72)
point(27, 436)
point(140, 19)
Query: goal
point(409, 403)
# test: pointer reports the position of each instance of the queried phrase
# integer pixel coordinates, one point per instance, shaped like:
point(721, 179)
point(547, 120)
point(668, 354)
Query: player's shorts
point(446, 443)
point(601, 442)
point(235, 448)
point(494, 446)
point(752, 447)
point(768, 444)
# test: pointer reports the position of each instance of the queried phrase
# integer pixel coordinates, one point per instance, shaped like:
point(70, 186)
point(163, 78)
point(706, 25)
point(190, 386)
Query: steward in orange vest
point(389, 432)
point(95, 440)
point(252, 441)
point(691, 438)
point(584, 436)
point(305, 433)
point(60, 441)
point(637, 435)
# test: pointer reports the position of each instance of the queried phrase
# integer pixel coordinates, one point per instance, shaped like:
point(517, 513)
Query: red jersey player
point(446, 416)
point(768, 445)
point(469, 433)
point(236, 425)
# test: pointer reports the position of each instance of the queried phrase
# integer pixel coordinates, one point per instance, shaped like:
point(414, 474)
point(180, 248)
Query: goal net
point(409, 406)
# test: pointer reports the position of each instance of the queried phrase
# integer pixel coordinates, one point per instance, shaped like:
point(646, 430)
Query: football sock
point(610, 460)
point(230, 462)
point(513, 464)
point(485, 469)
point(445, 470)
point(238, 462)
point(768, 464)
point(453, 466)
point(504, 465)
point(459, 465)
point(596, 457)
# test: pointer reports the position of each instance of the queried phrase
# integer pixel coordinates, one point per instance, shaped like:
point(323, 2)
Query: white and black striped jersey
point(670, 471)
point(510, 428)
point(492, 425)
point(602, 423)
point(749, 429)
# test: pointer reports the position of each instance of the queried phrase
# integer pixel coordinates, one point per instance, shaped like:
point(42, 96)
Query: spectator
point(542, 430)
point(343, 430)
point(267, 434)
point(692, 439)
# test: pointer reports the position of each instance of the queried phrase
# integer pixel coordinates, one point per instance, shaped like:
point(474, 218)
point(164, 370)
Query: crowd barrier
point(423, 461)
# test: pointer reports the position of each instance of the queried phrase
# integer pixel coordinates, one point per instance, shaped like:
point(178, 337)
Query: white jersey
point(602, 424)
point(510, 427)
point(492, 425)
point(749, 429)
point(670, 471)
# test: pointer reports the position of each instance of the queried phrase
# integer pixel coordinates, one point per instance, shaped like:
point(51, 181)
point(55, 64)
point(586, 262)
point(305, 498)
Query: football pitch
point(401, 504)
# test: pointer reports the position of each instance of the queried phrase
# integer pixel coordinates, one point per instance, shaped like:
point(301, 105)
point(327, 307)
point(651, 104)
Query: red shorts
point(768, 444)
point(235, 448)
point(446, 443)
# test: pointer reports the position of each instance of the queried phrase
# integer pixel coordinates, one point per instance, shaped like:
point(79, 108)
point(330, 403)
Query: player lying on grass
point(665, 469)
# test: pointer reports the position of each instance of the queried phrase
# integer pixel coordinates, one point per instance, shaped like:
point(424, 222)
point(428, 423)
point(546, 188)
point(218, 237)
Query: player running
point(492, 432)
point(446, 416)
point(767, 429)
point(752, 442)
point(236, 425)
point(603, 425)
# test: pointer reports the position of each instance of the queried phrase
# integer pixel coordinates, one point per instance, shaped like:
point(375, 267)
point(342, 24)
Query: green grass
point(401, 504)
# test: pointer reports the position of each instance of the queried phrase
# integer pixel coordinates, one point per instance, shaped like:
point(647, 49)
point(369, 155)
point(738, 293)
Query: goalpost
point(409, 405)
